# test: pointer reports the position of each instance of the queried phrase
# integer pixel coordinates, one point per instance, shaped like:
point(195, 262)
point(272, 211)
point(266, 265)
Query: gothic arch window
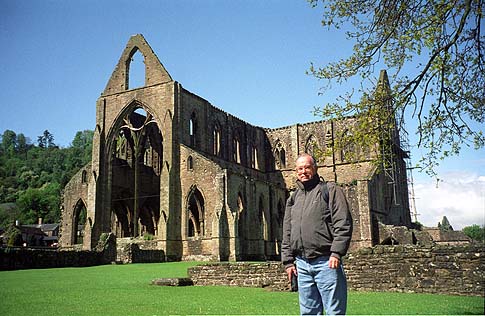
point(195, 214)
point(236, 150)
point(190, 163)
point(193, 130)
point(137, 151)
point(216, 140)
point(254, 157)
point(240, 203)
point(283, 158)
point(79, 222)
point(280, 156)
point(264, 220)
point(84, 176)
point(135, 70)
point(311, 146)
point(241, 215)
point(347, 150)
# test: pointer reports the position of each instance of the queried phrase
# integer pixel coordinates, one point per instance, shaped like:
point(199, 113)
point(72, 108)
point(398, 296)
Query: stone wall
point(130, 250)
point(73, 203)
point(457, 270)
point(126, 251)
point(22, 258)
point(246, 274)
point(28, 258)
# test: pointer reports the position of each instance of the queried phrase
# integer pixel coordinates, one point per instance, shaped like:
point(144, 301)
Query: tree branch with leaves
point(434, 53)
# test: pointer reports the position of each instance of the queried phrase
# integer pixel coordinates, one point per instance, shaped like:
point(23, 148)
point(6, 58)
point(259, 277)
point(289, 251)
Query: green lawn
point(126, 290)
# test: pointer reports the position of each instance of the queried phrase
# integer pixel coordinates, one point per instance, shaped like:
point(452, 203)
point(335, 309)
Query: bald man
point(317, 229)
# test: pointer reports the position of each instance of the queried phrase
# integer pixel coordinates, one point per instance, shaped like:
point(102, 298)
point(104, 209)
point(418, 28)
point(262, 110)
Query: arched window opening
point(136, 71)
point(121, 223)
point(216, 139)
point(136, 160)
point(240, 204)
point(348, 150)
point(311, 146)
point(264, 219)
point(84, 177)
point(283, 158)
point(236, 150)
point(190, 163)
point(150, 216)
point(192, 129)
point(254, 158)
point(280, 156)
point(242, 227)
point(195, 218)
point(241, 214)
point(191, 228)
point(79, 222)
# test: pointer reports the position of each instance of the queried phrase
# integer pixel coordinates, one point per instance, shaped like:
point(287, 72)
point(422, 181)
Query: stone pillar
point(365, 219)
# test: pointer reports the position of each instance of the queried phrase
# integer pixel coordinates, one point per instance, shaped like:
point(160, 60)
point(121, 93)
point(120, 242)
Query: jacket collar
point(310, 184)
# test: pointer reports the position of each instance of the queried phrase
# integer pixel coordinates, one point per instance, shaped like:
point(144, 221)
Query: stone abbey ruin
point(205, 185)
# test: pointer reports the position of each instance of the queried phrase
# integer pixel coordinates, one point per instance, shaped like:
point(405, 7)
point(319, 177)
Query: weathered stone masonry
point(455, 270)
point(203, 183)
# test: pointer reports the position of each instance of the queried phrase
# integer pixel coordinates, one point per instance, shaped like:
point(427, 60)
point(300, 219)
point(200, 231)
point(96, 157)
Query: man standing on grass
point(317, 229)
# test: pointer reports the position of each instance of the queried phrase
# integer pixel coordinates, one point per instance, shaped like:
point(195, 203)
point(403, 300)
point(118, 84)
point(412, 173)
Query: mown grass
point(126, 290)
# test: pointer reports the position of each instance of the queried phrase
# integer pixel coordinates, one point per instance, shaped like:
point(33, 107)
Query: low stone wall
point(20, 258)
point(132, 253)
point(247, 274)
point(135, 250)
point(27, 258)
point(458, 270)
point(106, 252)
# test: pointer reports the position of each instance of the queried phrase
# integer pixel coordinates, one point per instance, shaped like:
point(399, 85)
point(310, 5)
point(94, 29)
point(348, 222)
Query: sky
point(248, 58)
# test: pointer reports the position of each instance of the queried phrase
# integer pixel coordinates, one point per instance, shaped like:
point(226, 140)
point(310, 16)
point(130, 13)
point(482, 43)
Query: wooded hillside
point(33, 175)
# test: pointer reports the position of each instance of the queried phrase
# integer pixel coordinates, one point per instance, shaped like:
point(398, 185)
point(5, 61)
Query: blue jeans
point(320, 287)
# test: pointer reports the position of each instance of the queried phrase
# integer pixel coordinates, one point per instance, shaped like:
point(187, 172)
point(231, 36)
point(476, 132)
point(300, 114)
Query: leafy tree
point(23, 143)
point(436, 52)
point(9, 142)
point(46, 140)
point(80, 151)
point(42, 202)
point(83, 139)
point(475, 232)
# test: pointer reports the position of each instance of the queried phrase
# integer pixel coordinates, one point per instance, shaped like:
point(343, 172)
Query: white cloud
point(460, 196)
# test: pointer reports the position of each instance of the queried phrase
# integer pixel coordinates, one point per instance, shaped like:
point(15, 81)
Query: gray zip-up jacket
point(311, 228)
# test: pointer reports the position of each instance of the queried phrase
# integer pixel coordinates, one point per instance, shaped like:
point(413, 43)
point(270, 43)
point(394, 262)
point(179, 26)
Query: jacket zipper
point(301, 220)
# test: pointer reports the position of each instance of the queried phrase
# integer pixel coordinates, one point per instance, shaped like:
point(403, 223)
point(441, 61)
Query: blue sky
point(246, 57)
